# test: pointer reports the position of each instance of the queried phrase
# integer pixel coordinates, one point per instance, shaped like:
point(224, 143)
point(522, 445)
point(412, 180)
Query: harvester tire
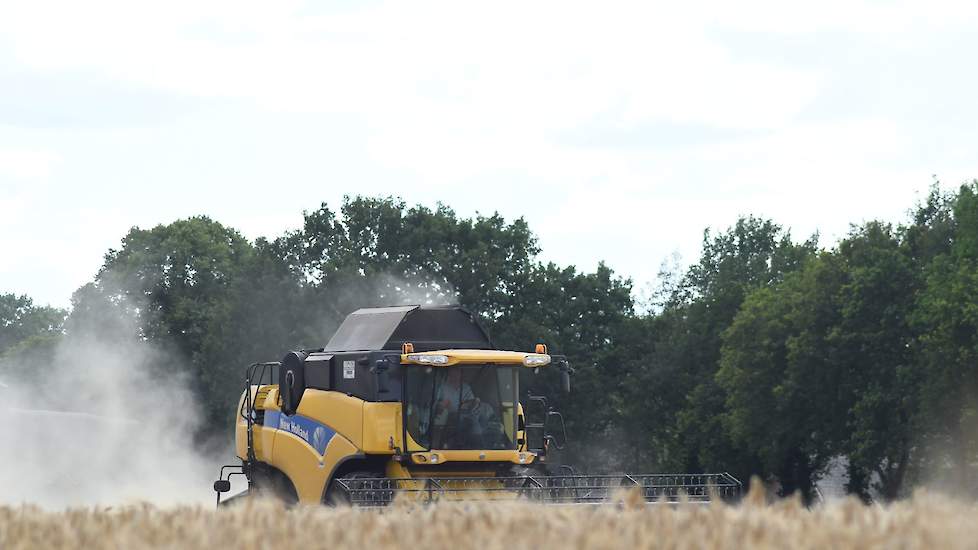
point(338, 496)
point(273, 483)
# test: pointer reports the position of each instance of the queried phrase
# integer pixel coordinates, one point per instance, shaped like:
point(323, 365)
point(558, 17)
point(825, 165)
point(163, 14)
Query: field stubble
point(924, 521)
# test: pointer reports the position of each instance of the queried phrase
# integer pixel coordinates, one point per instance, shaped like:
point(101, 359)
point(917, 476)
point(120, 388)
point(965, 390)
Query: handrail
point(249, 401)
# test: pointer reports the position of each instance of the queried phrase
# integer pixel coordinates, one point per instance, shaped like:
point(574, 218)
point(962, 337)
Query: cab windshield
point(461, 407)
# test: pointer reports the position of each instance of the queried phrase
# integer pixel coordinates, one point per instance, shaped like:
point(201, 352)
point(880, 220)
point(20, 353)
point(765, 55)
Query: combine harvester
point(415, 402)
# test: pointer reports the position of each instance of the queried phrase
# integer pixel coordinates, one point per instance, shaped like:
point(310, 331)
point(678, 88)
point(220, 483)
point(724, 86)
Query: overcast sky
point(620, 131)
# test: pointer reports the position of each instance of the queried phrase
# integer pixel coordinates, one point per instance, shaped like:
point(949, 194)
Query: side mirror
point(222, 486)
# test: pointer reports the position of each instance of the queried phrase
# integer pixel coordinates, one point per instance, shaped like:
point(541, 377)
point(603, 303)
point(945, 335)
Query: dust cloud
point(106, 417)
point(101, 422)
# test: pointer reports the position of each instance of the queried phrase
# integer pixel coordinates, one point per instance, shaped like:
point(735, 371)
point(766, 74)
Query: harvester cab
point(414, 401)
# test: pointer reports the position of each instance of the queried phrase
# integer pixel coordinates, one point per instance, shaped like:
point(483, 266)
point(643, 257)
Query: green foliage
point(752, 254)
point(946, 316)
point(868, 353)
point(21, 321)
point(177, 286)
point(777, 378)
point(399, 253)
point(871, 344)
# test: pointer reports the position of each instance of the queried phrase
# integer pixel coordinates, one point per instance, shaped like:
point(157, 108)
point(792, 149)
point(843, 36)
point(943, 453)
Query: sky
point(620, 131)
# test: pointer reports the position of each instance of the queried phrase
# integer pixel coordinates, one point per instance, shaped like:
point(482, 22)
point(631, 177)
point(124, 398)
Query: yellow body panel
point(342, 413)
point(413, 445)
point(395, 470)
point(381, 428)
point(372, 427)
point(521, 434)
point(305, 468)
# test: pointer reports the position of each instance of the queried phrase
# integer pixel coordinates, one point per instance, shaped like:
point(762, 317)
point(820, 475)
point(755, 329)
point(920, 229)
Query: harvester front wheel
point(273, 483)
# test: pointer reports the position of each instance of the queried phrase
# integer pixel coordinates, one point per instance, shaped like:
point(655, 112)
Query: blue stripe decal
point(316, 434)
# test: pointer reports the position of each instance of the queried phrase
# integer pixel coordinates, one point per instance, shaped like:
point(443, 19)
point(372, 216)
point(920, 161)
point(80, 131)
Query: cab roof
point(426, 327)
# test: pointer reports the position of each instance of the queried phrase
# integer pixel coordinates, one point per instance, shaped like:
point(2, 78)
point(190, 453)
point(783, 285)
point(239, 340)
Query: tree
point(173, 287)
point(871, 344)
point(779, 378)
point(21, 320)
point(754, 253)
point(390, 252)
point(946, 318)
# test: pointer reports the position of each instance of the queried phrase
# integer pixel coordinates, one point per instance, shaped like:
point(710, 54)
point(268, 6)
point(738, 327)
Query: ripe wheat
point(924, 521)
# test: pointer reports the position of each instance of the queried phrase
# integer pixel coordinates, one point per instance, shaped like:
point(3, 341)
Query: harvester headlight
point(428, 358)
point(434, 458)
point(525, 457)
point(537, 360)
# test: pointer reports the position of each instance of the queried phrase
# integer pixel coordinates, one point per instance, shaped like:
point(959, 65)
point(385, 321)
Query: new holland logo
point(293, 427)
point(319, 439)
point(313, 433)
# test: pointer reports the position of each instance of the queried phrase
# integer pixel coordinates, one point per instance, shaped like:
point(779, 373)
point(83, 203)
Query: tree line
point(767, 356)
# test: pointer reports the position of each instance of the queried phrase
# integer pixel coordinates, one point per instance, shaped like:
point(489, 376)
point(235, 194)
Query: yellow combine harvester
point(415, 401)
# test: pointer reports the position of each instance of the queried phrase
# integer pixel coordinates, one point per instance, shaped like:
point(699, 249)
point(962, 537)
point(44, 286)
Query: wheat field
point(924, 521)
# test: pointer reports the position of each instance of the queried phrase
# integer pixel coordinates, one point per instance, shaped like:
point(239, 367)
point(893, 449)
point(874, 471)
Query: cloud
point(867, 17)
point(540, 62)
point(25, 164)
point(597, 122)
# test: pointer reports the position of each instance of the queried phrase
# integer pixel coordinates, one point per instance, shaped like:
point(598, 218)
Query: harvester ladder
point(250, 402)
